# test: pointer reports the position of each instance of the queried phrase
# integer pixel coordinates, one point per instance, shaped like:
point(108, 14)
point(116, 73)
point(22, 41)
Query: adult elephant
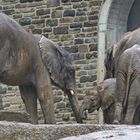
point(61, 70)
point(29, 61)
point(113, 53)
point(127, 85)
point(22, 65)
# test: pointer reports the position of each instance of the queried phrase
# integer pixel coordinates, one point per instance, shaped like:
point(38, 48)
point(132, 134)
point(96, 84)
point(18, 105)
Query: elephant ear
point(106, 98)
point(52, 57)
point(106, 101)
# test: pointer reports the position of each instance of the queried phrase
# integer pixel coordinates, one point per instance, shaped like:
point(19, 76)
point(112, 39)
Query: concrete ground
point(27, 131)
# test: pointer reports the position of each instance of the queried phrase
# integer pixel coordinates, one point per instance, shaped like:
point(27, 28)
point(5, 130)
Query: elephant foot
point(116, 122)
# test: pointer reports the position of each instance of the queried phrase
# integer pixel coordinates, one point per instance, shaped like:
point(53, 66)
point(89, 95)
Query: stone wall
point(72, 24)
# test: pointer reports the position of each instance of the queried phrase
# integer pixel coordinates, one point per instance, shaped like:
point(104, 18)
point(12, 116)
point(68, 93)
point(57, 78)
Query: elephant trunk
point(83, 111)
point(72, 95)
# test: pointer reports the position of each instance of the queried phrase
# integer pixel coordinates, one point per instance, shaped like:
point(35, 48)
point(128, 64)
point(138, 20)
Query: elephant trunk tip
point(83, 114)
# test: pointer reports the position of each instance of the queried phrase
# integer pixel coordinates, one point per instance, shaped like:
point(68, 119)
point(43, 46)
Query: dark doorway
point(134, 16)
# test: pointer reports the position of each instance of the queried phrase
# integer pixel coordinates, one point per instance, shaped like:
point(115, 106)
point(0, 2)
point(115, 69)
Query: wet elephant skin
point(21, 65)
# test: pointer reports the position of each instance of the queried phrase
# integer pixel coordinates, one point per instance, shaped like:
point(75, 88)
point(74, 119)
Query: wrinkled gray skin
point(113, 53)
point(21, 65)
point(104, 97)
point(61, 70)
point(127, 85)
point(24, 63)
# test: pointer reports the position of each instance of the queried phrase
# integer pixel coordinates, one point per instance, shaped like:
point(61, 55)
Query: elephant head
point(91, 102)
point(102, 96)
point(62, 73)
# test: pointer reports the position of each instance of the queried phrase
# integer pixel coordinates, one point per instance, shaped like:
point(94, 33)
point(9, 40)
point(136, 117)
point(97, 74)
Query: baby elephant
point(103, 96)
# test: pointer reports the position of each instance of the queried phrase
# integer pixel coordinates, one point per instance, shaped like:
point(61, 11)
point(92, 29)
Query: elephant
point(114, 52)
point(127, 87)
point(61, 70)
point(24, 64)
point(102, 96)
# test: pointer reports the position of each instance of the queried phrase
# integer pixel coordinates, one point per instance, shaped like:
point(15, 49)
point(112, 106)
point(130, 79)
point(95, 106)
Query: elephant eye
point(92, 99)
point(71, 71)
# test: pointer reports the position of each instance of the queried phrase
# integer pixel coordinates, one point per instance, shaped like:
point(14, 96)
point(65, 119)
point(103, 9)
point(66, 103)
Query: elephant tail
point(130, 78)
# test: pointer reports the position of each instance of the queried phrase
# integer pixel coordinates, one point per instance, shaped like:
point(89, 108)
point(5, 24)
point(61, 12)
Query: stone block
point(17, 16)
point(91, 78)
point(9, 11)
point(79, 41)
point(11, 1)
point(64, 1)
point(89, 29)
point(52, 22)
point(91, 55)
point(69, 13)
point(25, 21)
point(80, 18)
point(14, 116)
point(38, 21)
point(79, 5)
point(66, 20)
point(47, 30)
point(23, 1)
point(93, 17)
point(83, 48)
point(90, 23)
point(93, 47)
point(76, 0)
point(73, 49)
point(95, 3)
point(90, 66)
point(66, 117)
point(58, 99)
point(81, 73)
point(80, 13)
point(53, 3)
point(76, 25)
point(79, 35)
point(78, 56)
point(91, 40)
point(6, 7)
point(56, 14)
point(61, 30)
point(41, 12)
point(37, 31)
point(61, 105)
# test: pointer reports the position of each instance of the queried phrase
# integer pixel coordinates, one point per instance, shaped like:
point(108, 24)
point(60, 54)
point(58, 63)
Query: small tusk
point(72, 92)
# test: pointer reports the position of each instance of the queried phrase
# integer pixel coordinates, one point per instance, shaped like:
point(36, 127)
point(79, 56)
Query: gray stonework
point(72, 24)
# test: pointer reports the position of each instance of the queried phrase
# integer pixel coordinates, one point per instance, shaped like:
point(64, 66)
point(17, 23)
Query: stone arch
point(112, 24)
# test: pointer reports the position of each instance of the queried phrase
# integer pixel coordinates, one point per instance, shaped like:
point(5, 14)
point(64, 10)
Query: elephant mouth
point(90, 110)
point(84, 115)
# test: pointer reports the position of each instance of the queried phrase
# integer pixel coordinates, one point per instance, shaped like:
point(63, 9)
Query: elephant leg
point(109, 114)
point(45, 95)
point(29, 97)
point(129, 117)
point(120, 97)
point(136, 119)
point(105, 115)
point(75, 107)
